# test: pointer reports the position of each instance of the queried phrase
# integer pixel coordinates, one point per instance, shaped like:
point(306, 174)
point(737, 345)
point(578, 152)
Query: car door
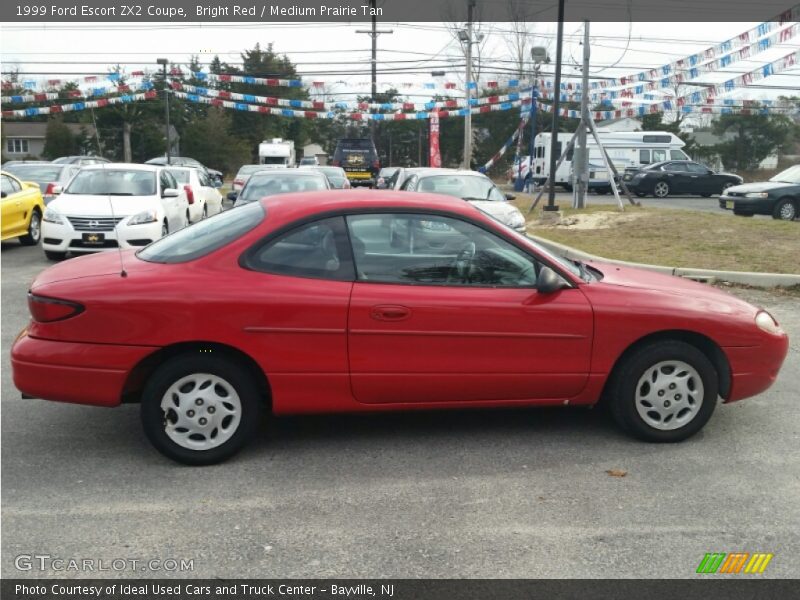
point(677, 175)
point(445, 311)
point(12, 207)
point(174, 208)
point(701, 181)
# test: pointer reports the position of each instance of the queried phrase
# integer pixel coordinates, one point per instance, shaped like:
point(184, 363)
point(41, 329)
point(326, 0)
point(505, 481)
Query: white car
point(476, 188)
point(113, 205)
point(204, 199)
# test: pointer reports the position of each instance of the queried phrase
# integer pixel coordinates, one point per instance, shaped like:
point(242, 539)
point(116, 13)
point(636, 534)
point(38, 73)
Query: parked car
point(474, 187)
point(201, 193)
point(185, 161)
point(398, 178)
point(336, 176)
point(48, 176)
point(80, 160)
point(111, 206)
point(678, 177)
point(22, 210)
point(779, 197)
point(308, 161)
point(281, 181)
point(359, 158)
point(384, 177)
point(341, 302)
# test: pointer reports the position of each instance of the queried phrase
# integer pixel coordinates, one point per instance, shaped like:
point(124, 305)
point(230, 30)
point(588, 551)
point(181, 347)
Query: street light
point(539, 55)
point(164, 62)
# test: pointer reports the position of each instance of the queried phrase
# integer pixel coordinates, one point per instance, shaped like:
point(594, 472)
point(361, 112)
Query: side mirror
point(549, 281)
point(232, 196)
point(170, 193)
point(217, 183)
point(510, 197)
point(57, 189)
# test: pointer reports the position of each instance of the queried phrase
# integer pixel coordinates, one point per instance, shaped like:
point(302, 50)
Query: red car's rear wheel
point(200, 410)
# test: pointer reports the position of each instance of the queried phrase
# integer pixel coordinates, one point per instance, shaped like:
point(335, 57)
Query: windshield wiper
point(115, 194)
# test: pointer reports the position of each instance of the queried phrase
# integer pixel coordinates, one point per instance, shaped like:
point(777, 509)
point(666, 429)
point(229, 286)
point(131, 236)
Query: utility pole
point(374, 33)
point(551, 197)
point(467, 37)
point(163, 62)
point(581, 163)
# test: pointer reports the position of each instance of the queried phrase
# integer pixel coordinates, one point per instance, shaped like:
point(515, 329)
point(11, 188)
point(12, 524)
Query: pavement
point(504, 493)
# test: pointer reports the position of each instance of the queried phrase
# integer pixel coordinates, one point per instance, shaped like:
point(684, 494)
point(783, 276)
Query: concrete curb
point(764, 280)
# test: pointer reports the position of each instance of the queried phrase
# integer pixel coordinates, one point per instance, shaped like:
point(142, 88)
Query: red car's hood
point(698, 295)
point(93, 265)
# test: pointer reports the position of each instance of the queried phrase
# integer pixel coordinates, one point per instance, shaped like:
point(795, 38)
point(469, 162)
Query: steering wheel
point(462, 266)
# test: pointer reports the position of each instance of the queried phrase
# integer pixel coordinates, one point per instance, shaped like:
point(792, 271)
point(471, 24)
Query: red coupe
point(333, 302)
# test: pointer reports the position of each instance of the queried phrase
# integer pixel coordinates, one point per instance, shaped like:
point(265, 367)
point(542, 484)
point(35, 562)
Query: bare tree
point(522, 35)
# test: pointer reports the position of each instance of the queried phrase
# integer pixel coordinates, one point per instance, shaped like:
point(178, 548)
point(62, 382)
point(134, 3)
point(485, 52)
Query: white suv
point(113, 205)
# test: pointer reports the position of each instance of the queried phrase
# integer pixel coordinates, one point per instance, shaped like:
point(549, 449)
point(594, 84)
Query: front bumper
point(755, 206)
point(63, 237)
point(73, 372)
point(754, 369)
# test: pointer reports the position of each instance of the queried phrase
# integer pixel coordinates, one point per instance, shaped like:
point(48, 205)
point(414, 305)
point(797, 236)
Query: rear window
point(41, 174)
point(204, 237)
point(113, 182)
point(180, 175)
point(272, 184)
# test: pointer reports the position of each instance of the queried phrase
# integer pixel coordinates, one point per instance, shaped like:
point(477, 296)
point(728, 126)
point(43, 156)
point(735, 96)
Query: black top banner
point(386, 11)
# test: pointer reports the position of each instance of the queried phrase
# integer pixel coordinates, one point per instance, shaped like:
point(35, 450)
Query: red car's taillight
point(50, 189)
point(189, 193)
point(47, 310)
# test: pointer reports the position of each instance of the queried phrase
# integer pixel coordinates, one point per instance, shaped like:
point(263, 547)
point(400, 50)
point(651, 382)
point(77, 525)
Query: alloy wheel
point(669, 395)
point(35, 228)
point(661, 189)
point(788, 212)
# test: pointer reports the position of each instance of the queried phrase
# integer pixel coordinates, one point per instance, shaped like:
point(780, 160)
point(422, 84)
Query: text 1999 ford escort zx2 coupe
point(328, 302)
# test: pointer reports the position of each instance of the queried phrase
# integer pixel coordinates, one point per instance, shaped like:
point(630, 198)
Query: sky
point(338, 55)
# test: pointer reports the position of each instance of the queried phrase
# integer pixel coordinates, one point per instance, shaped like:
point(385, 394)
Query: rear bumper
point(754, 370)
point(73, 372)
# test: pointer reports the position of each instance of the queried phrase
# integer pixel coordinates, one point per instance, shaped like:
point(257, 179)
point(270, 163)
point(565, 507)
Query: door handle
point(389, 312)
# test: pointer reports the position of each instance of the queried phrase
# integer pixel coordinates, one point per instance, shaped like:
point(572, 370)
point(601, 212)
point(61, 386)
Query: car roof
point(123, 167)
point(462, 172)
point(285, 172)
point(316, 202)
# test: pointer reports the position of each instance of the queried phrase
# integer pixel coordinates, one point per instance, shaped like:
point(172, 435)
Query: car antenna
point(122, 271)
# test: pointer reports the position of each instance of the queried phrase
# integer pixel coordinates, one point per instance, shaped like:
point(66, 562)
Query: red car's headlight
point(766, 322)
point(47, 310)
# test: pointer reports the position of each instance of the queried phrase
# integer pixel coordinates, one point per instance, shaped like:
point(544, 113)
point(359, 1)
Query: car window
point(659, 155)
point(675, 167)
point(472, 187)
point(273, 183)
point(167, 181)
point(677, 155)
point(435, 250)
point(113, 182)
point(10, 185)
point(180, 175)
point(204, 180)
point(204, 237)
point(644, 157)
point(410, 185)
point(695, 168)
point(318, 250)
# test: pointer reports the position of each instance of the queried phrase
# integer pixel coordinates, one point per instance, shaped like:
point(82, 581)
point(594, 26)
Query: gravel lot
point(521, 493)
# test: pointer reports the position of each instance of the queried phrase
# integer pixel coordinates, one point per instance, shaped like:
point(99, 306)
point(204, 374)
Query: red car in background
point(334, 302)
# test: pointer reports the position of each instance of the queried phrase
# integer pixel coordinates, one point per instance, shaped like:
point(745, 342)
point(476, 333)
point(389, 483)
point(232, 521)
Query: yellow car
point(22, 210)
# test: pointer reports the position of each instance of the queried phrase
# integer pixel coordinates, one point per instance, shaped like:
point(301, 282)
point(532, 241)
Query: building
point(25, 139)
point(316, 150)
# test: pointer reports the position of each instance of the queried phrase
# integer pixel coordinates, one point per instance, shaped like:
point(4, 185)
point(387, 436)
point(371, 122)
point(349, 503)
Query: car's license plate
point(94, 239)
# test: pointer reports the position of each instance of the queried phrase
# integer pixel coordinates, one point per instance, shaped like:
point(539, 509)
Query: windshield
point(62, 160)
point(790, 175)
point(113, 182)
point(469, 187)
point(41, 174)
point(261, 185)
point(205, 236)
point(180, 175)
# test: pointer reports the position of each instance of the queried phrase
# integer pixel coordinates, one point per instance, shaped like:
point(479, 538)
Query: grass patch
point(676, 238)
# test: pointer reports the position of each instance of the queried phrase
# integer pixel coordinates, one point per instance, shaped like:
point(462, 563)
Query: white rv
point(625, 148)
point(276, 151)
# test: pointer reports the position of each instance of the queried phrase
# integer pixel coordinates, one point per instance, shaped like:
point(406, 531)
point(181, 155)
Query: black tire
point(56, 256)
point(641, 194)
point(626, 378)
point(34, 234)
point(661, 189)
point(785, 210)
point(154, 418)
